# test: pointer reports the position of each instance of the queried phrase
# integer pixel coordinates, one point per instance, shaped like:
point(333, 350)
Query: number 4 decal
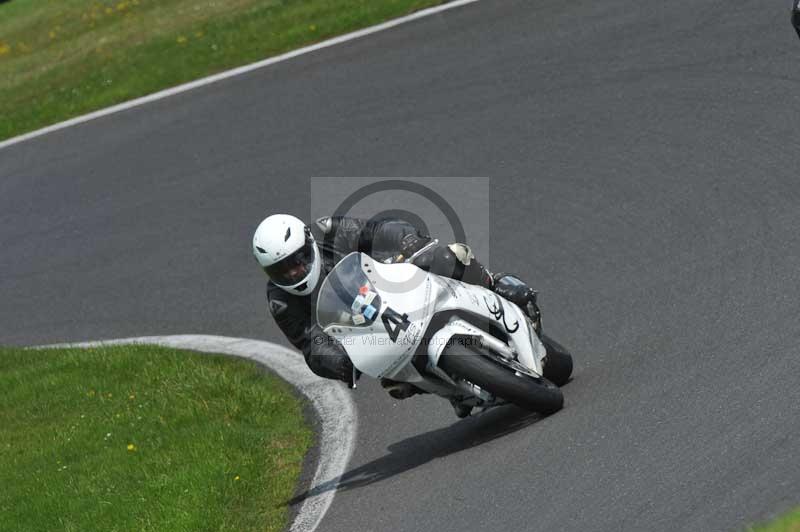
point(394, 323)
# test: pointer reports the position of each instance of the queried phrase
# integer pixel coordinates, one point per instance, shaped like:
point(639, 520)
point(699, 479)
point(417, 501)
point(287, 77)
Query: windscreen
point(347, 298)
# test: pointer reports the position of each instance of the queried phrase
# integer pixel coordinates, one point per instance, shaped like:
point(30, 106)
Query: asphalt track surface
point(643, 157)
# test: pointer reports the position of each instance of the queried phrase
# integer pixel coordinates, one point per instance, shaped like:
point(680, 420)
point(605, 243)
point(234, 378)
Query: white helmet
point(287, 252)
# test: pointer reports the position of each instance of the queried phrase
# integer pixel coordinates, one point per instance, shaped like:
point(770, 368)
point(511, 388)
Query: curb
point(335, 408)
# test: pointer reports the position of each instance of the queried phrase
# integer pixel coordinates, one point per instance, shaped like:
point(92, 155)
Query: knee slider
point(462, 252)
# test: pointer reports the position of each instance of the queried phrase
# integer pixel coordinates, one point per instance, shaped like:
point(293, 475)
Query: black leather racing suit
point(381, 239)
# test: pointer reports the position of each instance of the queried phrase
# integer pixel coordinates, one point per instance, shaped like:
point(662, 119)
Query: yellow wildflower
point(236, 477)
point(181, 39)
point(131, 447)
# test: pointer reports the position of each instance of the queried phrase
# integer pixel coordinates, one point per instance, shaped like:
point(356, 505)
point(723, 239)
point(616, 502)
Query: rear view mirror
point(796, 16)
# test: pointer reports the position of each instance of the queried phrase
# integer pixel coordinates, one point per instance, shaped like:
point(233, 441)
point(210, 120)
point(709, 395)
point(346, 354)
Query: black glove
point(328, 359)
point(413, 242)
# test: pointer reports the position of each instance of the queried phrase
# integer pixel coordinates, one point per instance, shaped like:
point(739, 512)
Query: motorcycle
point(456, 340)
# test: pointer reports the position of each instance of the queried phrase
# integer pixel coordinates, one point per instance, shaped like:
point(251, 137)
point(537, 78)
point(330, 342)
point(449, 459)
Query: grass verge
point(145, 438)
point(789, 522)
point(64, 58)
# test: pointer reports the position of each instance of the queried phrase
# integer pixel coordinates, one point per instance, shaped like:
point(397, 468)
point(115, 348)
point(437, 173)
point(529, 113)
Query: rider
point(296, 261)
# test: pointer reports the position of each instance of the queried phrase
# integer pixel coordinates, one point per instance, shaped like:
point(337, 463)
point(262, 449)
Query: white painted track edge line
point(330, 399)
point(165, 93)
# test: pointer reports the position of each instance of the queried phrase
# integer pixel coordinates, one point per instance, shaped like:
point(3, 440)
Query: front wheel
point(475, 365)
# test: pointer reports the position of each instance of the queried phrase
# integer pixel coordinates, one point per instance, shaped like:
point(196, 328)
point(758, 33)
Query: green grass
point(145, 438)
point(63, 58)
point(786, 523)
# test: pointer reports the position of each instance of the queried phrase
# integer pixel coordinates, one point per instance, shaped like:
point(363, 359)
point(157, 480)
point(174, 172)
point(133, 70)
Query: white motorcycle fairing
point(381, 314)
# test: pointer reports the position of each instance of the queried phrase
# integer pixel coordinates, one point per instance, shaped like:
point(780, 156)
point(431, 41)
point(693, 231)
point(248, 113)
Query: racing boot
point(399, 390)
point(512, 288)
point(461, 410)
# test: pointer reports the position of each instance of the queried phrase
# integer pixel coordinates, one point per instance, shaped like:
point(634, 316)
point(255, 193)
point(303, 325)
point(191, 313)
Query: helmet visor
point(293, 268)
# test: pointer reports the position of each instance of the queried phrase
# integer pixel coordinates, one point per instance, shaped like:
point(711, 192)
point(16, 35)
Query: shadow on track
point(418, 450)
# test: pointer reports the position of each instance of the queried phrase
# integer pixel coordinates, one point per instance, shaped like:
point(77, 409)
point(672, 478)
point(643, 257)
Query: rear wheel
point(482, 368)
point(558, 362)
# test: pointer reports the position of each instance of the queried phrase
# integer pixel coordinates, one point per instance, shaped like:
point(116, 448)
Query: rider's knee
point(447, 263)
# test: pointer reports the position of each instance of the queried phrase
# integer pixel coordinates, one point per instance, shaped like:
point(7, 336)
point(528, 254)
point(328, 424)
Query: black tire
point(558, 362)
point(471, 364)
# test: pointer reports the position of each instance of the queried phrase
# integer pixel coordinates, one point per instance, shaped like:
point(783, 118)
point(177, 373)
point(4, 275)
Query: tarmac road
point(643, 158)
